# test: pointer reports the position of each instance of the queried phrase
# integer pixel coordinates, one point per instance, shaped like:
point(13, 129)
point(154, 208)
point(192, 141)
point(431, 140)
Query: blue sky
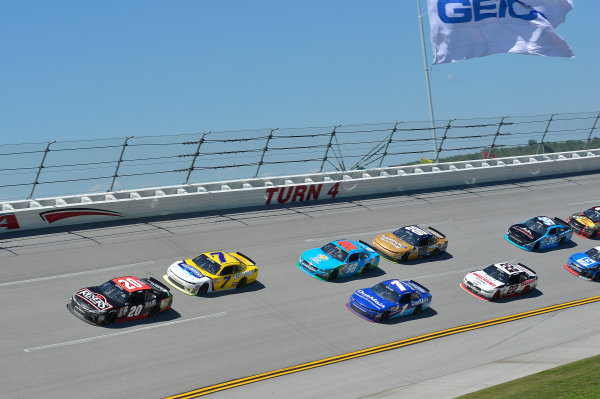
point(80, 69)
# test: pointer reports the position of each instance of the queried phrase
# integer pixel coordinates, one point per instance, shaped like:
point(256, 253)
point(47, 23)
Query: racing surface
point(288, 318)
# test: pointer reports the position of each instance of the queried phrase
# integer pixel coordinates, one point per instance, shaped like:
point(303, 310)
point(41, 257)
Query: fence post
point(112, 184)
point(439, 149)
point(489, 153)
point(591, 132)
point(264, 151)
point(191, 168)
point(387, 145)
point(544, 135)
point(328, 147)
point(35, 183)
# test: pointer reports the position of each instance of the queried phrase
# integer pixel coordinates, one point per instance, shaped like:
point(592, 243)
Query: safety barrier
point(286, 190)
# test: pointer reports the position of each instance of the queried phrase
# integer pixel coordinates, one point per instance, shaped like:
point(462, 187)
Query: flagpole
point(435, 149)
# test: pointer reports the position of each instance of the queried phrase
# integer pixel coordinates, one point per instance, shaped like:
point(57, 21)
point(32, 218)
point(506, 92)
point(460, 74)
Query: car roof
point(131, 284)
point(348, 245)
point(509, 267)
point(399, 286)
point(418, 231)
point(222, 258)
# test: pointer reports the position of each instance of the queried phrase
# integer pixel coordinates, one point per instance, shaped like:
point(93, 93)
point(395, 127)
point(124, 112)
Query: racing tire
point(365, 269)
point(536, 246)
point(385, 315)
point(561, 242)
point(333, 275)
point(241, 284)
point(435, 252)
point(418, 309)
point(404, 258)
point(496, 296)
point(153, 312)
point(525, 290)
point(203, 289)
point(110, 318)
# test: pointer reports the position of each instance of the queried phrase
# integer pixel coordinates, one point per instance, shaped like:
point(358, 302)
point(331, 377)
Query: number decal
point(221, 256)
point(397, 284)
point(511, 290)
point(130, 283)
point(333, 191)
point(509, 267)
point(587, 261)
point(347, 245)
point(225, 281)
point(135, 311)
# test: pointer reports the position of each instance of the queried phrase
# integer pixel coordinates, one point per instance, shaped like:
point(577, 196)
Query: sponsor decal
point(96, 300)
point(484, 279)
point(319, 258)
point(244, 274)
point(190, 269)
point(299, 193)
point(389, 240)
point(417, 230)
point(59, 214)
point(586, 261)
point(8, 221)
point(370, 298)
point(546, 220)
point(524, 231)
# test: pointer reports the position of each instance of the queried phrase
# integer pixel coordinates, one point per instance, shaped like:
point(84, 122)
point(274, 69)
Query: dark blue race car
point(340, 258)
point(585, 265)
point(389, 299)
point(539, 232)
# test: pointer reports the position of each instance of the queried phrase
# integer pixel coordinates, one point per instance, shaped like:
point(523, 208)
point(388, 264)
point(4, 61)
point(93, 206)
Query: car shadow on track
point(429, 312)
point(376, 272)
point(167, 315)
point(252, 287)
point(531, 294)
point(440, 257)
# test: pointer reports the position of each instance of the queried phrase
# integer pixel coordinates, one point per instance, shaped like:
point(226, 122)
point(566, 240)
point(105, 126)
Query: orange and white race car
point(411, 242)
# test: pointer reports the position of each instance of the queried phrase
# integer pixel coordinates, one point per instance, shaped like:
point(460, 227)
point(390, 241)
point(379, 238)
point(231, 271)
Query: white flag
point(463, 29)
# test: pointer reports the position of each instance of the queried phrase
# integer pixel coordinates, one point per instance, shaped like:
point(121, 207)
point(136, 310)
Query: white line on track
point(583, 202)
point(35, 280)
point(387, 230)
point(98, 337)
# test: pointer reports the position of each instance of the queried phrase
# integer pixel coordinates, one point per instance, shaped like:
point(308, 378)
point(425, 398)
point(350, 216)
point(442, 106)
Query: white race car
point(500, 280)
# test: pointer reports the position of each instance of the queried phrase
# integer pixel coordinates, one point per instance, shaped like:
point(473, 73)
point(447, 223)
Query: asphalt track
point(289, 319)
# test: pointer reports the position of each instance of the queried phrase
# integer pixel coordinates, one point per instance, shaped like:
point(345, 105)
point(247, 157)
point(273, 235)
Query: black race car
point(121, 299)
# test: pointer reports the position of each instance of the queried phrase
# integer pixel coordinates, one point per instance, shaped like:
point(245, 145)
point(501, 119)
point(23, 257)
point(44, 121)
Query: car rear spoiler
point(367, 245)
point(526, 268)
point(561, 221)
point(437, 232)
point(247, 258)
point(154, 281)
point(415, 283)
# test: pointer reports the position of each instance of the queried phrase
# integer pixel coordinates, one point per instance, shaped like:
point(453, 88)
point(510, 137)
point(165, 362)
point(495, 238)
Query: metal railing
point(58, 168)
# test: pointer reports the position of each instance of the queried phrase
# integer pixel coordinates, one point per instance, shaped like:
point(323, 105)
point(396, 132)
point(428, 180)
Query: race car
point(212, 271)
point(586, 223)
point(340, 258)
point(121, 299)
point(411, 242)
point(539, 232)
point(585, 265)
point(389, 299)
point(500, 280)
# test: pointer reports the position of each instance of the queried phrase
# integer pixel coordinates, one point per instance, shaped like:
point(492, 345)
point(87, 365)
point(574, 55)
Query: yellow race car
point(411, 242)
point(211, 271)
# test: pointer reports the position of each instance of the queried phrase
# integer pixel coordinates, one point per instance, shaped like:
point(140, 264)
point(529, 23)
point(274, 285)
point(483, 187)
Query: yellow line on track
point(376, 349)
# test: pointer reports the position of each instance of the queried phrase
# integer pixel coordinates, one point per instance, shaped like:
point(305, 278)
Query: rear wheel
point(525, 290)
point(203, 289)
point(153, 312)
point(561, 242)
point(241, 284)
point(418, 309)
point(333, 275)
point(436, 252)
point(365, 269)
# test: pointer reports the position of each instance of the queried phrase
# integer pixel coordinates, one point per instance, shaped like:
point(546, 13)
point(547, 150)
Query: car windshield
point(207, 264)
point(496, 273)
point(594, 254)
point(407, 236)
point(592, 214)
point(335, 252)
point(386, 292)
point(537, 228)
point(112, 291)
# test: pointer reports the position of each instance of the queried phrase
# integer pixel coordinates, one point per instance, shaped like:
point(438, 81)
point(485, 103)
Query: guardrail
point(277, 191)
point(57, 168)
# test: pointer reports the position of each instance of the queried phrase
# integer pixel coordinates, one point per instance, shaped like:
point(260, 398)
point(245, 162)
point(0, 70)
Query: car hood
point(320, 260)
point(392, 243)
point(91, 299)
point(522, 232)
point(186, 272)
point(482, 280)
point(584, 220)
point(367, 298)
point(583, 261)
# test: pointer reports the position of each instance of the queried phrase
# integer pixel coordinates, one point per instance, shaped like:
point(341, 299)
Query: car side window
point(227, 270)
point(423, 242)
point(522, 277)
point(364, 255)
point(415, 296)
point(513, 279)
point(149, 296)
point(433, 240)
point(552, 231)
point(405, 298)
point(237, 269)
point(353, 258)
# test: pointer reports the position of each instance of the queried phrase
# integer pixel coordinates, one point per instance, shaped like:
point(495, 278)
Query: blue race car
point(389, 299)
point(585, 265)
point(539, 232)
point(340, 258)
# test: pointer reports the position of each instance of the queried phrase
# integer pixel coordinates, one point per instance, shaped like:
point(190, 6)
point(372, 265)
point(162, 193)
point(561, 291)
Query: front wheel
point(333, 275)
point(536, 246)
point(496, 296)
point(203, 289)
point(385, 315)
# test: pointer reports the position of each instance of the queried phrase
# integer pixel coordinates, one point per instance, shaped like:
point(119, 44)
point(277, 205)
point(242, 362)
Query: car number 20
point(135, 311)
